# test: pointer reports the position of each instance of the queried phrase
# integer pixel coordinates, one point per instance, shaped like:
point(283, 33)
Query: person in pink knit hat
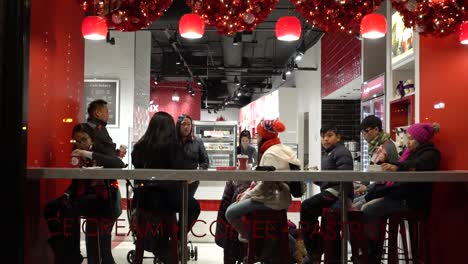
point(420, 155)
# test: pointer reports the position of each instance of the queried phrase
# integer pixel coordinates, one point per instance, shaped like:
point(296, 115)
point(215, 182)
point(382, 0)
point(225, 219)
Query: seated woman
point(90, 198)
point(420, 155)
point(245, 148)
point(266, 195)
point(158, 149)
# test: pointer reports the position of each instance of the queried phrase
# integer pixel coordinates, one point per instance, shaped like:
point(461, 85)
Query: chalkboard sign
point(107, 90)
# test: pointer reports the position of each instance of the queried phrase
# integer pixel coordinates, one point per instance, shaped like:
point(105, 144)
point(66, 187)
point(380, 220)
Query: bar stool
point(417, 237)
point(168, 222)
point(260, 223)
point(357, 237)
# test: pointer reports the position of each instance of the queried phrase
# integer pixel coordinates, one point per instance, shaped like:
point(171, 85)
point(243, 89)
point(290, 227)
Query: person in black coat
point(98, 115)
point(193, 148)
point(420, 155)
point(95, 199)
point(337, 157)
point(158, 149)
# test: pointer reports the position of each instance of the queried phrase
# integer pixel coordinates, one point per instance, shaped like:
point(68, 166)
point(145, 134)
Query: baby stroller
point(150, 243)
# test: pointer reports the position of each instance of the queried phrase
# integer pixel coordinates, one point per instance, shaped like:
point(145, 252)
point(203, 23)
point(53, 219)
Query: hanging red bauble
point(94, 28)
point(191, 26)
point(373, 26)
point(288, 28)
point(231, 16)
point(432, 18)
point(464, 33)
point(136, 14)
point(335, 16)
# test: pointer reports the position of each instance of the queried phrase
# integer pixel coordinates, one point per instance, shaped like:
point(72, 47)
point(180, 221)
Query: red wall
point(55, 92)
point(341, 61)
point(161, 96)
point(444, 78)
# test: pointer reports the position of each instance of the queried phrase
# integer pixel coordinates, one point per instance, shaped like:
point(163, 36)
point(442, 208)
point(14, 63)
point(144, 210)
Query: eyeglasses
point(365, 131)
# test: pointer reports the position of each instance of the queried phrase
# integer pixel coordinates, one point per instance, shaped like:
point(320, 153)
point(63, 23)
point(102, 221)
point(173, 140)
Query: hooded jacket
point(275, 195)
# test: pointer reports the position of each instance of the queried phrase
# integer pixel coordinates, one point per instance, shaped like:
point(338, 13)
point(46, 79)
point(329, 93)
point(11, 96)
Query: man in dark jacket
point(193, 147)
point(98, 114)
point(337, 157)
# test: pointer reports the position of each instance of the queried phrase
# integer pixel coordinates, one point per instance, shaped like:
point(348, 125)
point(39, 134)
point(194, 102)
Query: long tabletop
point(241, 175)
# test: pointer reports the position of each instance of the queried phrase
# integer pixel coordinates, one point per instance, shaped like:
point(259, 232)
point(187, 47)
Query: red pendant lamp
point(373, 26)
point(191, 26)
point(464, 33)
point(288, 28)
point(94, 28)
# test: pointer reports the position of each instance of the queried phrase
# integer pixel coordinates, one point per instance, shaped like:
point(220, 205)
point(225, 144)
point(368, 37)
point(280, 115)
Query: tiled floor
point(208, 253)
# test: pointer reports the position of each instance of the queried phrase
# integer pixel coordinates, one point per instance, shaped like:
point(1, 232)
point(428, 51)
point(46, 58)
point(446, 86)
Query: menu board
point(107, 90)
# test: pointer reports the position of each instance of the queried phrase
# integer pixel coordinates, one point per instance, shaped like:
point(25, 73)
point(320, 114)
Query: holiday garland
point(231, 16)
point(436, 18)
point(128, 15)
point(335, 15)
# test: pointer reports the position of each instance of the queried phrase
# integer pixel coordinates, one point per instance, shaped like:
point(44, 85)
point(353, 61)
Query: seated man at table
point(381, 150)
point(337, 157)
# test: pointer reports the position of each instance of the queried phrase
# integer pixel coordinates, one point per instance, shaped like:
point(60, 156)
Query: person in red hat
point(266, 195)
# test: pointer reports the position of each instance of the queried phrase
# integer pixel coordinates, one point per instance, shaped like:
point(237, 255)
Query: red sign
point(373, 88)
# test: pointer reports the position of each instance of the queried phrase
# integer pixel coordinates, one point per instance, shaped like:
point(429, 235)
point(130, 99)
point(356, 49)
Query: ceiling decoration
point(335, 15)
point(231, 16)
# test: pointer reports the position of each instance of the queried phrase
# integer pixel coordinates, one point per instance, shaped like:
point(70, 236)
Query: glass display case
point(220, 140)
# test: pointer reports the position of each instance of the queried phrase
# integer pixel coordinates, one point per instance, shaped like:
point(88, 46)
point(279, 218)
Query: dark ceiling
point(219, 64)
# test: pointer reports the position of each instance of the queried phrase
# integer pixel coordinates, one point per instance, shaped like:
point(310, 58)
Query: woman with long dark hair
point(158, 149)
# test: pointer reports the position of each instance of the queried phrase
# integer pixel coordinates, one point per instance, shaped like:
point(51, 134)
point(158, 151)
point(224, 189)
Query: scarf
point(267, 144)
point(377, 142)
point(403, 157)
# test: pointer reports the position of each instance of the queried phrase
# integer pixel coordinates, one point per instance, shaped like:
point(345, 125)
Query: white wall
point(287, 113)
point(130, 55)
point(308, 85)
point(230, 114)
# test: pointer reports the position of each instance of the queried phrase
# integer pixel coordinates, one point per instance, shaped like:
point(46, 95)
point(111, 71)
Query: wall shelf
point(405, 63)
point(399, 99)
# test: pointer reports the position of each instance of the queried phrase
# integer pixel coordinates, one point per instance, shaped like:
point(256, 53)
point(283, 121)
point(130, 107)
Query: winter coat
point(337, 157)
point(195, 153)
point(275, 195)
point(169, 156)
point(425, 157)
point(101, 137)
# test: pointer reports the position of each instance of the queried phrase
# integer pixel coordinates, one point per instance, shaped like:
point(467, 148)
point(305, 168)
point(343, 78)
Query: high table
point(204, 175)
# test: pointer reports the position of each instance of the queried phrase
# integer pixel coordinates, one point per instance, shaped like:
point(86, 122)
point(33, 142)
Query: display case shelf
point(406, 63)
point(398, 99)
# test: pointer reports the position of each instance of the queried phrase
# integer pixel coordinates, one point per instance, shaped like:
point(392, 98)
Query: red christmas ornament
point(432, 18)
point(335, 16)
point(231, 16)
point(136, 14)
point(464, 33)
point(288, 28)
point(94, 28)
point(373, 26)
point(191, 26)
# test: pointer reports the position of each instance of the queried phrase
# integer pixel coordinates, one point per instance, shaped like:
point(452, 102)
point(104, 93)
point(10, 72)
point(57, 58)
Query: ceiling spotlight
point(288, 72)
point(283, 76)
point(236, 81)
point(239, 93)
point(299, 56)
point(237, 38)
point(215, 111)
point(178, 62)
point(192, 93)
point(175, 96)
point(209, 111)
